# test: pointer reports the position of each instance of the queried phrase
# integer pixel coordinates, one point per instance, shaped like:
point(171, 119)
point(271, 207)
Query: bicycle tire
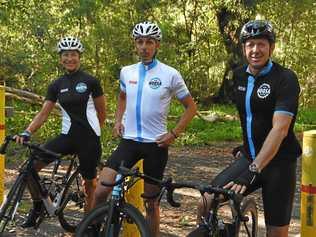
point(9, 206)
point(248, 209)
point(127, 212)
point(73, 203)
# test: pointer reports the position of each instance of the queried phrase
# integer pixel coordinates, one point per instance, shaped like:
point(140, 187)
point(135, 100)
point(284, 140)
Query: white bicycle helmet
point(70, 43)
point(147, 29)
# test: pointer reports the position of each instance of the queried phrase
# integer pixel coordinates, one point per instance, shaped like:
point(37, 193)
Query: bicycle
point(107, 219)
point(243, 211)
point(62, 193)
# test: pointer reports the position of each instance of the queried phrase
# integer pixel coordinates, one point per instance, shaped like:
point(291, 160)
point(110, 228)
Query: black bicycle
point(61, 191)
point(109, 218)
point(241, 219)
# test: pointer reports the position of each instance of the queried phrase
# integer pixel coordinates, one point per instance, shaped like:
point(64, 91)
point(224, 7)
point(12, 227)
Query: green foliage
point(306, 119)
point(200, 38)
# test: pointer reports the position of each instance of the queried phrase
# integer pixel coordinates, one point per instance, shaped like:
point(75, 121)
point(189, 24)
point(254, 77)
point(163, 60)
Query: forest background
point(200, 39)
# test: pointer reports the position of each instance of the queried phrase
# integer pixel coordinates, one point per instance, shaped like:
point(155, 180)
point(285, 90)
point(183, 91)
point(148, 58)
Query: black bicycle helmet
point(257, 29)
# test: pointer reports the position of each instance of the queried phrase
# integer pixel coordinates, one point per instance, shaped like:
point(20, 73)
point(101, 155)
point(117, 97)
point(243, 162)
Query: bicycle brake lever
point(238, 198)
point(170, 199)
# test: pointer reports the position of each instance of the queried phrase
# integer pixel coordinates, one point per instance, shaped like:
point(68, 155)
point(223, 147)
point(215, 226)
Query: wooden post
point(308, 187)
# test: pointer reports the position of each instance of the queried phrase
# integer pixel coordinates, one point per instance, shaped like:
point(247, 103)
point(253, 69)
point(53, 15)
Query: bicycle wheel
point(10, 205)
point(126, 214)
point(72, 203)
point(249, 227)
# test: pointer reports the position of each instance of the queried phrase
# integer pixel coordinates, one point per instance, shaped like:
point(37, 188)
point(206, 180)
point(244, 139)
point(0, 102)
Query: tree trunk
point(225, 20)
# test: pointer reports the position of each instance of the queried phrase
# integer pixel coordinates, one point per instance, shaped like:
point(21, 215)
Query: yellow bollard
point(133, 197)
point(308, 186)
point(2, 134)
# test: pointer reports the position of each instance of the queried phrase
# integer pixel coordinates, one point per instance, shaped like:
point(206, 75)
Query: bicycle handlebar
point(170, 186)
point(32, 146)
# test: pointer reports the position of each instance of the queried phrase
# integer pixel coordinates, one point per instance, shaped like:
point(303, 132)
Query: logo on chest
point(264, 91)
point(81, 87)
point(154, 83)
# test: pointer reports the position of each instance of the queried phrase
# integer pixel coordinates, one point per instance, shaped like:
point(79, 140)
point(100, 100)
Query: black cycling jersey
point(274, 90)
point(75, 93)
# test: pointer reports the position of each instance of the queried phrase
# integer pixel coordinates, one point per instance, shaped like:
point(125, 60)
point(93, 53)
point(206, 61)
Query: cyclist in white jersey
point(146, 90)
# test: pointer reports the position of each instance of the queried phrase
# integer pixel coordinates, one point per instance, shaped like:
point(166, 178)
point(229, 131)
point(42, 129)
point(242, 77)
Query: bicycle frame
point(117, 197)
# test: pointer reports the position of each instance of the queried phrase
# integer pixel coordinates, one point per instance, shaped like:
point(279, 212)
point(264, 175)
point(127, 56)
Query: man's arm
point(121, 105)
point(280, 127)
point(187, 116)
point(100, 106)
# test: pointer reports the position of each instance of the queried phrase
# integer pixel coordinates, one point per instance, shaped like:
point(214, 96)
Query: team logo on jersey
point(154, 83)
point(81, 87)
point(264, 90)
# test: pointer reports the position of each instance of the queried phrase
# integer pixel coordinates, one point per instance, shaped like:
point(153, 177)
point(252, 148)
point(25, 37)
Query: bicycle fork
point(112, 222)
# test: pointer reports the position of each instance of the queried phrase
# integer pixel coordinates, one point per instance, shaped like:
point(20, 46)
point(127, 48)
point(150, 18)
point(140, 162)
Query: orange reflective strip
point(308, 189)
point(2, 126)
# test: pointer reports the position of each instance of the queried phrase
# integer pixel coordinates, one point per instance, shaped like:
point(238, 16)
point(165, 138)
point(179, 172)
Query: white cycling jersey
point(149, 89)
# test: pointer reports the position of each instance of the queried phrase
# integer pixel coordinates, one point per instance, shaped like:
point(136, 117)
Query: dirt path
point(185, 164)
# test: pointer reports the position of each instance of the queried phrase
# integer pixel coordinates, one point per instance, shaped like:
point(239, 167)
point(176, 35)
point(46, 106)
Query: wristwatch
point(254, 168)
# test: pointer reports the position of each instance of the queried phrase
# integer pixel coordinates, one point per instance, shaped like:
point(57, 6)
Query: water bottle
point(117, 188)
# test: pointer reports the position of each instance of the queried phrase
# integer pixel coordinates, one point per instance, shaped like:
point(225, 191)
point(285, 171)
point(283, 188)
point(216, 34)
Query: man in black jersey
point(266, 96)
point(81, 99)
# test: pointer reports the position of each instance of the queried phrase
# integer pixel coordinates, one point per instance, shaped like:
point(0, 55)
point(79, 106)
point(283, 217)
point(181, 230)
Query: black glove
point(26, 135)
point(247, 178)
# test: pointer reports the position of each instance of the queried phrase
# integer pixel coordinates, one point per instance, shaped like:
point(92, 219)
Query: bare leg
point(152, 209)
point(277, 231)
point(203, 207)
point(101, 193)
point(34, 191)
point(36, 197)
point(89, 189)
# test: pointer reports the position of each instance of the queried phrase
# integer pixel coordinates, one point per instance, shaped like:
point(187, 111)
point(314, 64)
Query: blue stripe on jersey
point(283, 112)
point(122, 84)
point(250, 86)
point(142, 74)
point(184, 96)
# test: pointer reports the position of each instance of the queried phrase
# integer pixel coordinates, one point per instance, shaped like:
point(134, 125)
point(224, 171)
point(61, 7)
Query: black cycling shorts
point(130, 152)
point(277, 180)
point(88, 151)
